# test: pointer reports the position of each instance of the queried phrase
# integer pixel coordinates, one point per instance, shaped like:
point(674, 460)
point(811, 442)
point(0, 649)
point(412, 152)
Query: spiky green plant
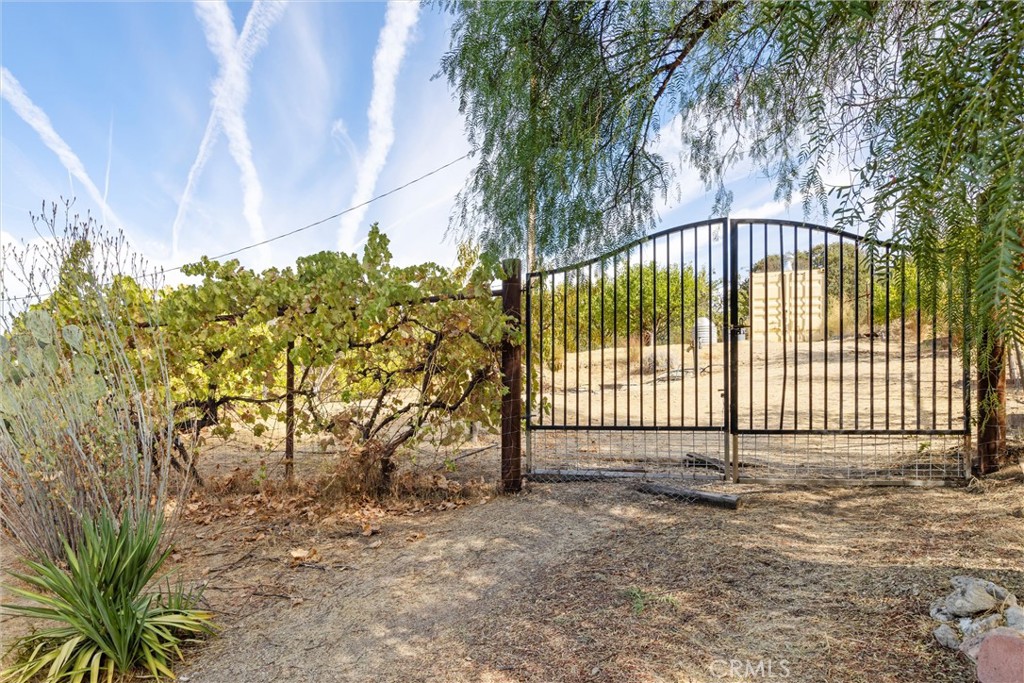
point(107, 620)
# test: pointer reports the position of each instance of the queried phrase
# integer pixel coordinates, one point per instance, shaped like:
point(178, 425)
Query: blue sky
point(314, 107)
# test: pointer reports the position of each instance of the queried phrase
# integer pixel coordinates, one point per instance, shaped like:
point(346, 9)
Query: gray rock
point(946, 636)
point(993, 589)
point(970, 646)
point(978, 626)
point(938, 610)
point(970, 598)
point(1015, 618)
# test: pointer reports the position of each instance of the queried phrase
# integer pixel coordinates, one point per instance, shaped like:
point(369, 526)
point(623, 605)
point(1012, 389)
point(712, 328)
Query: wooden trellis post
point(289, 415)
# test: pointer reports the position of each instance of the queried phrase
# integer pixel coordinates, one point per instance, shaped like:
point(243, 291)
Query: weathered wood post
point(512, 380)
point(289, 415)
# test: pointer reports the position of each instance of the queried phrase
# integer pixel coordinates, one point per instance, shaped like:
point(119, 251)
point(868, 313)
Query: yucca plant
point(107, 620)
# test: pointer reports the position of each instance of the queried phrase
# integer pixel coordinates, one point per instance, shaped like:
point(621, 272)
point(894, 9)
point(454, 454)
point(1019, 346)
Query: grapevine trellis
point(356, 350)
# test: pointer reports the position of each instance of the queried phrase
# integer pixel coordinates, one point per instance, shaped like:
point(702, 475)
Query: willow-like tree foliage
point(923, 101)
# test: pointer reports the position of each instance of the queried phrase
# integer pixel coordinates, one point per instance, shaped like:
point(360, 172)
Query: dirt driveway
point(596, 582)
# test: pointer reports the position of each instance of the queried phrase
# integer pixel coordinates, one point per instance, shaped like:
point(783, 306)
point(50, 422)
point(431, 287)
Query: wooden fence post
point(289, 415)
point(512, 380)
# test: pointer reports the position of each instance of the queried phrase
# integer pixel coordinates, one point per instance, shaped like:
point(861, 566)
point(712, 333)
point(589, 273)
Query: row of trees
point(643, 301)
point(611, 302)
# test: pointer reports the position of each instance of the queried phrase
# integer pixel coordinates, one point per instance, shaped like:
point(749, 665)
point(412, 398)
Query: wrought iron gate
point(746, 350)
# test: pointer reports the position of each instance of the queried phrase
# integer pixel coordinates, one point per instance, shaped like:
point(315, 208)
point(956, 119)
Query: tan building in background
point(801, 294)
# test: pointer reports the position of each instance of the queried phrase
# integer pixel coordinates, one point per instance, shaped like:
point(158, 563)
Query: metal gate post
point(528, 398)
point(732, 393)
point(727, 340)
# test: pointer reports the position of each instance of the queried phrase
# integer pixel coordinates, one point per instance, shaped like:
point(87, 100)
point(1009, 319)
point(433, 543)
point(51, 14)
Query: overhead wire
point(289, 233)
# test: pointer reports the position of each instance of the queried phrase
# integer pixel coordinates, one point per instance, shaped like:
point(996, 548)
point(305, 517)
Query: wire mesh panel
point(627, 359)
point(846, 359)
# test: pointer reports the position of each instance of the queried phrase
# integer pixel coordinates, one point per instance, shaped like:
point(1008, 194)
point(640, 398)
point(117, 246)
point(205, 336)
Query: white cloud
point(399, 21)
point(35, 117)
point(771, 209)
point(235, 55)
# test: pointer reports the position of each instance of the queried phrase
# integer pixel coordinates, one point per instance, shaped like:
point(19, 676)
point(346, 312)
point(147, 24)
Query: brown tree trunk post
point(512, 380)
point(991, 407)
point(289, 415)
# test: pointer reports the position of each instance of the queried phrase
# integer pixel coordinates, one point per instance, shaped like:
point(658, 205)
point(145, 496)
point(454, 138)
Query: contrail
point(399, 21)
point(235, 55)
point(339, 132)
point(35, 117)
point(106, 176)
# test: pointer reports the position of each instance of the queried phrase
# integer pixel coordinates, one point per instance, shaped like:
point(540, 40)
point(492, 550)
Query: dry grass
point(582, 582)
point(835, 584)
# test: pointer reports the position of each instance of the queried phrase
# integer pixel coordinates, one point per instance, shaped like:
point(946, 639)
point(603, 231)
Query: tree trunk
point(991, 380)
point(991, 406)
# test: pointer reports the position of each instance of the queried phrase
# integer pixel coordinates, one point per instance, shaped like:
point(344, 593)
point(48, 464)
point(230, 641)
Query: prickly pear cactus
point(41, 359)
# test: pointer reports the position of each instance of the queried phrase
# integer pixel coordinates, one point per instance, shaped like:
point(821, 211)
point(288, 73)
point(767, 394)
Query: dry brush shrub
point(85, 412)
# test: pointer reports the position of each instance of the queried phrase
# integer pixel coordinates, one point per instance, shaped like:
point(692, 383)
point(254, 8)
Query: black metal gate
point(746, 349)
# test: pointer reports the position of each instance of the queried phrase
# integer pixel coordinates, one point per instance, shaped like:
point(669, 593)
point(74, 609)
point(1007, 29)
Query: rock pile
point(984, 621)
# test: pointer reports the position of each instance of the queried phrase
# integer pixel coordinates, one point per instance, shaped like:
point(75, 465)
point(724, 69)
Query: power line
point(296, 230)
point(328, 218)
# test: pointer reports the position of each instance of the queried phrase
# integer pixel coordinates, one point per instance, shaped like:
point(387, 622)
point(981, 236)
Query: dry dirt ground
point(830, 384)
point(582, 581)
point(803, 384)
point(594, 582)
